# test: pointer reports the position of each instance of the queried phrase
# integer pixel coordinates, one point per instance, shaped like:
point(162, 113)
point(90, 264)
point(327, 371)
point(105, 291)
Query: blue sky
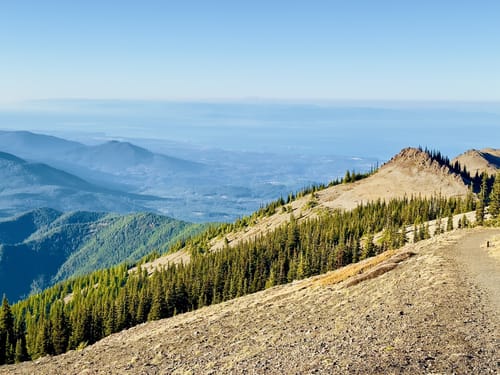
point(357, 50)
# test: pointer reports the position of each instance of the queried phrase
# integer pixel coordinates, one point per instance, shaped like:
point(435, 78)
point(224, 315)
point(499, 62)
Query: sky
point(232, 50)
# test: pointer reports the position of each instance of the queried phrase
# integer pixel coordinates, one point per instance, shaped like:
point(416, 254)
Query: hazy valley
point(199, 185)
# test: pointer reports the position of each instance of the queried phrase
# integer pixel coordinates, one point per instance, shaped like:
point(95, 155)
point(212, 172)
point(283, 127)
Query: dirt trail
point(481, 262)
point(434, 313)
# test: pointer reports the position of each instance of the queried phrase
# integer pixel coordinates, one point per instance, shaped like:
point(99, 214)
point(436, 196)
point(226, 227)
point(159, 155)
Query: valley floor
point(436, 312)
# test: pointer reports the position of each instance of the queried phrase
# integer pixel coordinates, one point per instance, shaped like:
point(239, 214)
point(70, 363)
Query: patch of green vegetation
point(49, 246)
point(113, 299)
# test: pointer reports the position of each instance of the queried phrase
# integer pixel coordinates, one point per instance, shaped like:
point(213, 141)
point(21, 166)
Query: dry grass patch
point(364, 270)
point(351, 270)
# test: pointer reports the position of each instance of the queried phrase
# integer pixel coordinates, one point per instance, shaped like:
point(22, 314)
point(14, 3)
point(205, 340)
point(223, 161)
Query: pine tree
point(271, 280)
point(355, 252)
point(482, 200)
point(438, 230)
point(464, 222)
point(43, 342)
point(494, 209)
point(144, 306)
point(368, 248)
point(21, 351)
point(158, 303)
point(303, 268)
point(293, 235)
point(81, 327)
point(416, 234)
point(402, 238)
point(449, 223)
point(469, 200)
point(7, 337)
point(59, 328)
point(347, 177)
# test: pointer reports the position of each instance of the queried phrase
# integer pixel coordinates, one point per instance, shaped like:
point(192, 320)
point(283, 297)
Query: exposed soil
point(413, 170)
point(435, 312)
point(478, 161)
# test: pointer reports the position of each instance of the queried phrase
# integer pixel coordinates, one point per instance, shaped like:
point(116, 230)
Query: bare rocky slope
point(478, 161)
point(411, 172)
point(428, 308)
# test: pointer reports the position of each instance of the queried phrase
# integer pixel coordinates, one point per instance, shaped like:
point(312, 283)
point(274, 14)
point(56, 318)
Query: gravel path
point(435, 313)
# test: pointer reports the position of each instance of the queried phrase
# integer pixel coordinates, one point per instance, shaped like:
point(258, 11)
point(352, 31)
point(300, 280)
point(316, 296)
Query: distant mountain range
point(200, 185)
point(25, 185)
point(109, 162)
point(44, 246)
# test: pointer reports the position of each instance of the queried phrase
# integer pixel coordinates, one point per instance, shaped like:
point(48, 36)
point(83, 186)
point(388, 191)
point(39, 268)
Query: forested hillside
point(83, 310)
point(413, 171)
point(45, 246)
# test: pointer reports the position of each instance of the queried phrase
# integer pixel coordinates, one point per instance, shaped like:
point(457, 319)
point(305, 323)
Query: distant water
point(341, 128)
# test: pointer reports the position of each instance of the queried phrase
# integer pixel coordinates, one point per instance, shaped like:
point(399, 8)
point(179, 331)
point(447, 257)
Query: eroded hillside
point(412, 172)
point(433, 312)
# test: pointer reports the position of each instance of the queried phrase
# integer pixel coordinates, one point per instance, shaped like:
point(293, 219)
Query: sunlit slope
point(415, 310)
point(478, 161)
point(412, 172)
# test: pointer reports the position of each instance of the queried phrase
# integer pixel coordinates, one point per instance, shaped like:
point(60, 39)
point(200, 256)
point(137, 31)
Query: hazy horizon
point(366, 129)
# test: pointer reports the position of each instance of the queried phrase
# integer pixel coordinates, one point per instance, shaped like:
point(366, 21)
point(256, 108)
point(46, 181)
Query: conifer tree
point(482, 200)
point(7, 337)
point(368, 248)
point(438, 229)
point(271, 280)
point(355, 252)
point(469, 200)
point(81, 327)
point(494, 208)
point(449, 223)
point(21, 352)
point(59, 328)
point(43, 342)
point(158, 303)
point(416, 234)
point(402, 238)
point(427, 233)
point(144, 306)
point(303, 268)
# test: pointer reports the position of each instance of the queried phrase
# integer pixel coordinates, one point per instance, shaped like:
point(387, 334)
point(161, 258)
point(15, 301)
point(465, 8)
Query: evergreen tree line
point(83, 310)
point(200, 242)
point(488, 198)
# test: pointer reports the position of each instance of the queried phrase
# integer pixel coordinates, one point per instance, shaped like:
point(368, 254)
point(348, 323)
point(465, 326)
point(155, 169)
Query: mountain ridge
point(219, 185)
point(27, 185)
point(416, 171)
point(478, 161)
point(50, 246)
